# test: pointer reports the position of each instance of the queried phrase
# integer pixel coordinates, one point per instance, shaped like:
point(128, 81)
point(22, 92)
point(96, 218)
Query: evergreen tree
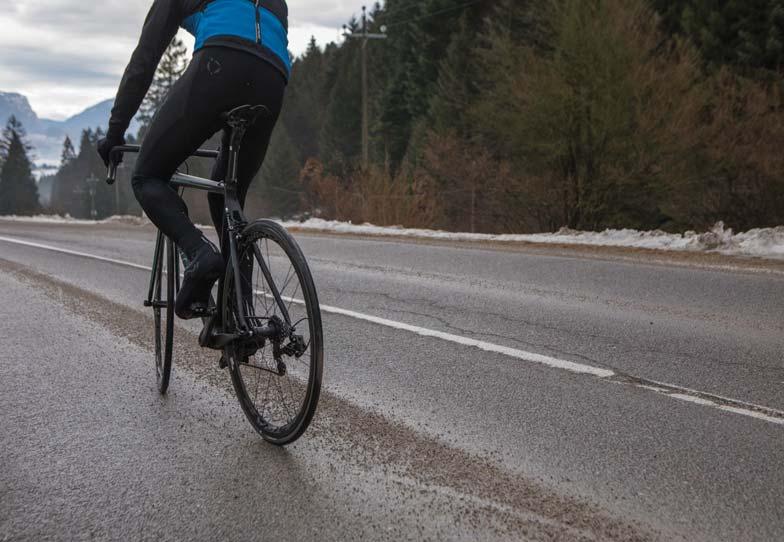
point(303, 112)
point(774, 44)
point(340, 139)
point(743, 33)
point(86, 141)
point(406, 83)
point(454, 85)
point(420, 36)
point(171, 67)
point(18, 190)
point(68, 153)
point(70, 194)
point(70, 191)
point(277, 191)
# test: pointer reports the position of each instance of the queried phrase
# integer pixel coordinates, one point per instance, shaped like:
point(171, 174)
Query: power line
point(406, 8)
point(433, 14)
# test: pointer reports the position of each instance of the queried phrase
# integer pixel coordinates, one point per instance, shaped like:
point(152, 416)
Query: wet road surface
point(471, 393)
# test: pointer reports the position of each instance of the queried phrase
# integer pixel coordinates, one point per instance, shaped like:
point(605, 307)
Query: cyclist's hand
point(105, 146)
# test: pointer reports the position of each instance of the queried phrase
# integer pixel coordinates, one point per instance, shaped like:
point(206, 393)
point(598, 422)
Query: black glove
point(105, 146)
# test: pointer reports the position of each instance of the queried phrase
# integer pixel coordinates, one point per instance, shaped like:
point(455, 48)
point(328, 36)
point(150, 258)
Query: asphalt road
point(607, 398)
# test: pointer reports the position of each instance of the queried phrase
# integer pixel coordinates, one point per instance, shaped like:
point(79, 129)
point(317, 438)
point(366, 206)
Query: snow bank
point(763, 242)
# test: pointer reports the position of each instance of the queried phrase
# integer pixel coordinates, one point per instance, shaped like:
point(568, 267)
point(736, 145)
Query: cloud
point(325, 13)
point(67, 54)
point(106, 18)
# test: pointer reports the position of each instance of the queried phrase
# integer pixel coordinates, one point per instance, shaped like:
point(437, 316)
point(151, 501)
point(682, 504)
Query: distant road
point(472, 393)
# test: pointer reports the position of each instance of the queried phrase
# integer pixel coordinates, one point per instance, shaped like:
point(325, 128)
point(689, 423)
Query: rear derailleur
point(295, 347)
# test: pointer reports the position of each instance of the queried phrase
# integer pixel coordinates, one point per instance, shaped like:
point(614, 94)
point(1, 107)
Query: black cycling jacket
point(161, 25)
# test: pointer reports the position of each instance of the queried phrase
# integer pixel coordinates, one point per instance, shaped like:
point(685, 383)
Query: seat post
point(237, 129)
point(238, 120)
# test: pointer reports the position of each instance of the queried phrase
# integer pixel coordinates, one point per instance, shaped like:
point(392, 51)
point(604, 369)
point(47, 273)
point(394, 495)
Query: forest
point(523, 116)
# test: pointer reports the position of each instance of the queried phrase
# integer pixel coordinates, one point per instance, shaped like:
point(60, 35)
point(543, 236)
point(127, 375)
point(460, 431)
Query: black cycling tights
point(218, 79)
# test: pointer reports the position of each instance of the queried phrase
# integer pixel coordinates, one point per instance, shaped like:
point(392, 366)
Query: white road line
point(482, 345)
point(727, 408)
point(750, 413)
point(692, 399)
point(692, 396)
point(719, 399)
point(74, 253)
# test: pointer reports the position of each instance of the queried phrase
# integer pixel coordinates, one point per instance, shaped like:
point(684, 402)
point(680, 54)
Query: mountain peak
point(13, 103)
point(46, 136)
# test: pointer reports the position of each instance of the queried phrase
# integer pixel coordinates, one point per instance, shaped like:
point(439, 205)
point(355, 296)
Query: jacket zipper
point(258, 24)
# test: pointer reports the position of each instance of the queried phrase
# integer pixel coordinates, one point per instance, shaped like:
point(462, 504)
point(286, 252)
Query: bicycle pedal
point(204, 312)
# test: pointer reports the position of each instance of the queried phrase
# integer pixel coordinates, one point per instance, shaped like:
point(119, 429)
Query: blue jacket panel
point(220, 19)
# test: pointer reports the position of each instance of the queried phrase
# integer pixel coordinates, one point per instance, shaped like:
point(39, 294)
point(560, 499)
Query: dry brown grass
point(374, 196)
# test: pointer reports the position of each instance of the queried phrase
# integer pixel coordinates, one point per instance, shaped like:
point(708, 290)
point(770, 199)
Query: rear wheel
point(277, 380)
point(166, 282)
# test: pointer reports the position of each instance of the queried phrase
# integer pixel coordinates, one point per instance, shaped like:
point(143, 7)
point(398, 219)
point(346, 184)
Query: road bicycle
point(265, 318)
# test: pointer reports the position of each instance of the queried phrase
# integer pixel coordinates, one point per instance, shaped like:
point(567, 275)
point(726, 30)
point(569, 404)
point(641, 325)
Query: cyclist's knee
point(147, 189)
point(139, 183)
point(156, 195)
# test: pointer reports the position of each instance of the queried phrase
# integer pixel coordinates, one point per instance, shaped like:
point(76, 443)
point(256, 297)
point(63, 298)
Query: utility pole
point(92, 183)
point(365, 36)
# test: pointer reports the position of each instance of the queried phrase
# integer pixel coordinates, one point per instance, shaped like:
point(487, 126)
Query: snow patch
point(760, 242)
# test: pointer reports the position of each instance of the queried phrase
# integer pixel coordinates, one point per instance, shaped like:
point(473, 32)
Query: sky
point(66, 55)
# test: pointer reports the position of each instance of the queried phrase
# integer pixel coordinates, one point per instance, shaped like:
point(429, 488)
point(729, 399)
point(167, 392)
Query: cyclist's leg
point(179, 127)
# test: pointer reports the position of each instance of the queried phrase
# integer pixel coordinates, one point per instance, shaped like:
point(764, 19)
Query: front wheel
point(163, 311)
point(278, 379)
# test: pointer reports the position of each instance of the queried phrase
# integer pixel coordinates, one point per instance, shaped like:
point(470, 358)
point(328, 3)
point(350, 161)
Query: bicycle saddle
point(244, 115)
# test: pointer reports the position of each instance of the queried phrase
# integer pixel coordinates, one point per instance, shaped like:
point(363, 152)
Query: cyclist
point(240, 57)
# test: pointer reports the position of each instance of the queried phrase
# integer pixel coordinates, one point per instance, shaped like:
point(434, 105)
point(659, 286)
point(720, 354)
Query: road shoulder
point(703, 260)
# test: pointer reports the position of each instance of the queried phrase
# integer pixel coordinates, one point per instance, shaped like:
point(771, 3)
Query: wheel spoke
point(269, 266)
point(282, 399)
point(287, 280)
point(256, 393)
point(291, 299)
point(266, 394)
point(291, 392)
point(263, 297)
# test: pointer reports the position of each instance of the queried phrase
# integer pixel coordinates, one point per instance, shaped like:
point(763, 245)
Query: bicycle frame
point(235, 222)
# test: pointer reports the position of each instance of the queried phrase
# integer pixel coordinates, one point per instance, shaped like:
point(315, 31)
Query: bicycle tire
point(163, 316)
point(239, 366)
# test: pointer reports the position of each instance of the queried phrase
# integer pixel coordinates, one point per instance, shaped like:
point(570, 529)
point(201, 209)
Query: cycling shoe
point(200, 275)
